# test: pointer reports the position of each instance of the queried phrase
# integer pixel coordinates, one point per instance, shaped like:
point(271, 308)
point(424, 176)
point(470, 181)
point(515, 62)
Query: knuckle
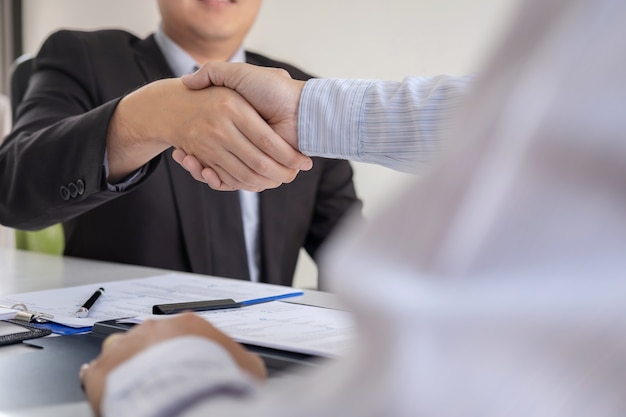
point(291, 175)
point(247, 177)
point(266, 141)
point(273, 184)
point(259, 166)
point(227, 100)
point(282, 72)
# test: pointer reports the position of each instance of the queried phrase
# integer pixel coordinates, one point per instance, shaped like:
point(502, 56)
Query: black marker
point(84, 310)
point(175, 308)
point(195, 306)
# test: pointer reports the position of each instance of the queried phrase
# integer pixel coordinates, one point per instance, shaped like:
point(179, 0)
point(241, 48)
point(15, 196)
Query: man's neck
point(203, 51)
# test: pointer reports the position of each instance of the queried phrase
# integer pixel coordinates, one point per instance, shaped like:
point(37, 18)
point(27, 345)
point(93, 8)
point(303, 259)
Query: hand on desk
point(120, 347)
point(274, 95)
point(216, 125)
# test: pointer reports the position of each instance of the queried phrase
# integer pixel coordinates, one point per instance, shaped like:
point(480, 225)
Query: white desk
point(22, 271)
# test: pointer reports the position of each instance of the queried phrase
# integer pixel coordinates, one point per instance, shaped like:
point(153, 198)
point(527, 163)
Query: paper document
point(279, 325)
point(286, 326)
point(7, 313)
point(136, 297)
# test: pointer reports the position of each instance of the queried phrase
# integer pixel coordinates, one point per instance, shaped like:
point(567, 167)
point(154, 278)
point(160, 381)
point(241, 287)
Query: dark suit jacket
point(167, 220)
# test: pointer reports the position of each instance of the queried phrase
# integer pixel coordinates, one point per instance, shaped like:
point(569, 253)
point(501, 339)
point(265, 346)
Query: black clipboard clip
point(29, 316)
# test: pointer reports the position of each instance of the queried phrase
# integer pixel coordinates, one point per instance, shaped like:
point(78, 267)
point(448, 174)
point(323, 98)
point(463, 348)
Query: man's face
point(208, 20)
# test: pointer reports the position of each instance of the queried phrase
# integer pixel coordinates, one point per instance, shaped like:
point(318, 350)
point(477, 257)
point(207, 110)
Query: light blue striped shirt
point(379, 121)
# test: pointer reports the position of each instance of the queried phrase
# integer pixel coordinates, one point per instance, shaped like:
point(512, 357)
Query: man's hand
point(271, 91)
point(216, 125)
point(120, 347)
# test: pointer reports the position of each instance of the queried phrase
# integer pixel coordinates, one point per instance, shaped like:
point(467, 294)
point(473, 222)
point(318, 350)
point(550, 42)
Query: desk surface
point(22, 271)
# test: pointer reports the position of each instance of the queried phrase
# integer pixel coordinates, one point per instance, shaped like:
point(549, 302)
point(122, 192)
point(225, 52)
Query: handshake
point(265, 154)
point(233, 126)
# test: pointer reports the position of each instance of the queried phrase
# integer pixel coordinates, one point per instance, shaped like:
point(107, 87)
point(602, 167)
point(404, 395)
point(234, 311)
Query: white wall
point(329, 38)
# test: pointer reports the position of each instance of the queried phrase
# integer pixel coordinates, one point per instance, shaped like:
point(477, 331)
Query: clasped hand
point(263, 145)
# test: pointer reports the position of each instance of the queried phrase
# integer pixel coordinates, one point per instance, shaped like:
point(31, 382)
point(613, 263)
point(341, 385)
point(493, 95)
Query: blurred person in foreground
point(504, 292)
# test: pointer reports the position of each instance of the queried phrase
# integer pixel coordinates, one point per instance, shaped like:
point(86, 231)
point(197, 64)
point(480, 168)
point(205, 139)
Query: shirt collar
point(179, 60)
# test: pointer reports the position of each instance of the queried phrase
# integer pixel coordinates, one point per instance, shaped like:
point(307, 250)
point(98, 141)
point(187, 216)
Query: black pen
point(84, 310)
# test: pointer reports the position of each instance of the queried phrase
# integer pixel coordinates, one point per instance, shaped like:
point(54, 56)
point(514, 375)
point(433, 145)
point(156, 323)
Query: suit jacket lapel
point(151, 61)
point(274, 218)
point(210, 222)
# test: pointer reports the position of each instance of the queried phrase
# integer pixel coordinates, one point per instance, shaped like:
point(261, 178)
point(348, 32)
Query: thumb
point(225, 74)
point(198, 80)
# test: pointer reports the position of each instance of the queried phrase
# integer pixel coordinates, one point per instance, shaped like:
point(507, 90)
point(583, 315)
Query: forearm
point(165, 114)
point(141, 127)
point(204, 372)
point(204, 382)
point(360, 120)
point(52, 164)
point(36, 161)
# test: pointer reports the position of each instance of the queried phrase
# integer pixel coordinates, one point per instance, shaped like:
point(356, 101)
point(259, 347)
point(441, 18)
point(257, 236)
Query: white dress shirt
point(493, 287)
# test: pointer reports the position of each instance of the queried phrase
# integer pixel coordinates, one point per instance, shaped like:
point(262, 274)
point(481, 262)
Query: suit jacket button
point(81, 187)
point(65, 193)
point(73, 189)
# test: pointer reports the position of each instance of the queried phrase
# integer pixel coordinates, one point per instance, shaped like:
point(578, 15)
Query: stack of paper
point(135, 297)
point(280, 325)
point(7, 313)
point(284, 326)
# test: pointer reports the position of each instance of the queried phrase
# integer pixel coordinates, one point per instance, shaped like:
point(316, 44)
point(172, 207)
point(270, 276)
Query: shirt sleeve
point(183, 371)
point(131, 179)
point(379, 121)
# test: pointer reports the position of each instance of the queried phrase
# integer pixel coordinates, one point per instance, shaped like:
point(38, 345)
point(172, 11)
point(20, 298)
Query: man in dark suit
point(92, 142)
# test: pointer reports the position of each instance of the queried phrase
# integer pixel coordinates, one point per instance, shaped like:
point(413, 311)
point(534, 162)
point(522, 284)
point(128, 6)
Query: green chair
point(49, 240)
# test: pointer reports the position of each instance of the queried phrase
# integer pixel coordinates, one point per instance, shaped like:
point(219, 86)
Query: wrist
point(135, 135)
point(298, 88)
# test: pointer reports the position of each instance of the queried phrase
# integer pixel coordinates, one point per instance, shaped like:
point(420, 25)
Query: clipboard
point(25, 315)
point(16, 331)
point(36, 320)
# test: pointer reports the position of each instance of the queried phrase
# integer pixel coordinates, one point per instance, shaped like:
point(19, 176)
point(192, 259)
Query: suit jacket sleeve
point(58, 142)
point(334, 199)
